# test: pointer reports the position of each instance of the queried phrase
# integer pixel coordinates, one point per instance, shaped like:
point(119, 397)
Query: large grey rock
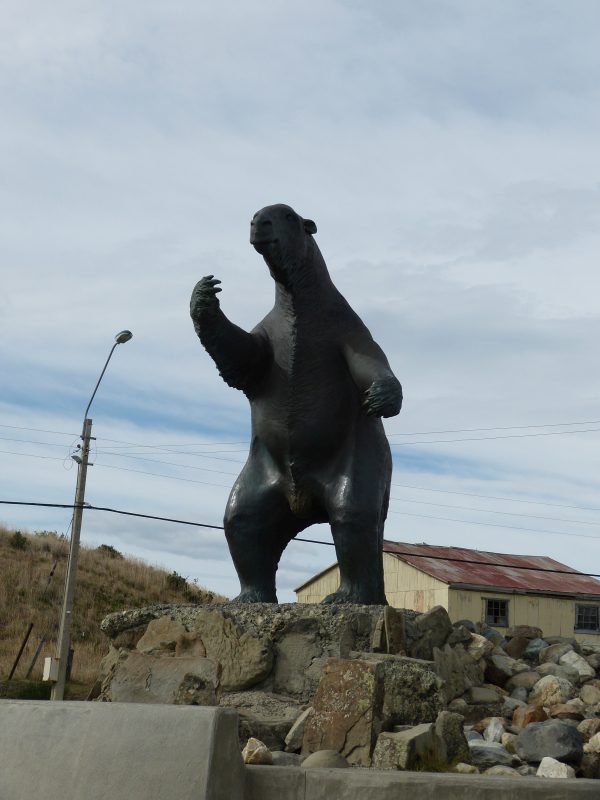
point(94, 751)
point(347, 710)
point(434, 628)
point(458, 670)
point(412, 690)
point(451, 743)
point(488, 754)
point(139, 678)
point(167, 636)
point(553, 738)
point(263, 715)
point(483, 695)
point(408, 749)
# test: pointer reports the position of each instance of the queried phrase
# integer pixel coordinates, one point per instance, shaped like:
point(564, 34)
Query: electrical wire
point(89, 507)
point(499, 428)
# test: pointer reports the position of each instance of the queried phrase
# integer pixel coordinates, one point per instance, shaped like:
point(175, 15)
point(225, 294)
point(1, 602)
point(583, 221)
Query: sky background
point(448, 152)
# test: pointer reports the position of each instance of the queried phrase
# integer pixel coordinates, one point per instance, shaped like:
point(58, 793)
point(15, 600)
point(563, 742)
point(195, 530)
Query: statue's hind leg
point(258, 526)
point(357, 516)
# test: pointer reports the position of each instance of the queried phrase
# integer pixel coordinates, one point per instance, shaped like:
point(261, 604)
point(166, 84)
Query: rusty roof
point(485, 569)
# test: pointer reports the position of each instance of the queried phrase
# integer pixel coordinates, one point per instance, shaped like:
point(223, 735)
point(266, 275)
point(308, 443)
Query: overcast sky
point(448, 152)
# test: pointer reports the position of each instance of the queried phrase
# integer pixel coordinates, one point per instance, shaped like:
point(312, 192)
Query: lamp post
point(55, 669)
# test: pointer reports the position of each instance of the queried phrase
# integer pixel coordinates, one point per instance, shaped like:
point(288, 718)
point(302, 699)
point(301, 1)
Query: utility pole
point(64, 635)
point(55, 669)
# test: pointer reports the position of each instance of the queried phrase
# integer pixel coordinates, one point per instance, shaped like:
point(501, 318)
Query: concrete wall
point(289, 783)
point(121, 751)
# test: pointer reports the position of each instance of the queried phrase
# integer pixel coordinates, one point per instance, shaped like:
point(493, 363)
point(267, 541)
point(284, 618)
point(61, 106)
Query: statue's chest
point(302, 345)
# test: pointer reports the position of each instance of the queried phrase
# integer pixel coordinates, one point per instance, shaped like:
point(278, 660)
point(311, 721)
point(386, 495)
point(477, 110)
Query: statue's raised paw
point(204, 295)
point(383, 398)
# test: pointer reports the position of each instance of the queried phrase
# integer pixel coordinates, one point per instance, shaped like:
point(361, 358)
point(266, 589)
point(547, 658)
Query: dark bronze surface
point(317, 385)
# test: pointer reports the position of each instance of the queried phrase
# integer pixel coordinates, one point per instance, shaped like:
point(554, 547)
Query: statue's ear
point(309, 226)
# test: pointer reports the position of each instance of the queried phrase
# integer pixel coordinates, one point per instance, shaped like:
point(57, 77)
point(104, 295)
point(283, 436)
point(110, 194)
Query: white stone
point(593, 745)
point(256, 752)
point(549, 691)
point(573, 659)
point(551, 768)
point(494, 731)
point(479, 646)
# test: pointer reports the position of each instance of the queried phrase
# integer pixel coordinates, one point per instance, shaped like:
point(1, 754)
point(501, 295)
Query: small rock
point(526, 770)
point(474, 736)
point(499, 669)
point(410, 749)
point(516, 646)
point(465, 769)
point(479, 646)
point(494, 730)
point(493, 635)
point(488, 754)
point(520, 693)
point(256, 752)
point(459, 635)
point(509, 705)
point(579, 663)
point(526, 631)
point(590, 694)
point(593, 660)
point(593, 744)
point(526, 680)
point(325, 759)
point(293, 741)
point(525, 714)
point(589, 727)
point(435, 627)
point(482, 695)
point(559, 671)
point(565, 711)
point(551, 768)
point(282, 759)
point(550, 690)
point(553, 652)
point(451, 743)
point(510, 772)
point(508, 741)
point(590, 765)
point(533, 649)
point(465, 623)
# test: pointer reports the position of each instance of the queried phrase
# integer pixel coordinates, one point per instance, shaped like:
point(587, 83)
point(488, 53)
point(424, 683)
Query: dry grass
point(106, 582)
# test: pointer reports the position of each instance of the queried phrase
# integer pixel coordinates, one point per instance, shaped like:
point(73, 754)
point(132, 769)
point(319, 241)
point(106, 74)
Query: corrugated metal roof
point(431, 560)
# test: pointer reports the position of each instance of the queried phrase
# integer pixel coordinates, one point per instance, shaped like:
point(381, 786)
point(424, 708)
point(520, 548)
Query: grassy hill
point(106, 581)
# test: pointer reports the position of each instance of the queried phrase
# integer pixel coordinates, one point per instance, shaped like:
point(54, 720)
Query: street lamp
point(55, 669)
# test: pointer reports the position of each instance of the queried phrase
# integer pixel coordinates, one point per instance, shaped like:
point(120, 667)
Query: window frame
point(488, 617)
point(587, 629)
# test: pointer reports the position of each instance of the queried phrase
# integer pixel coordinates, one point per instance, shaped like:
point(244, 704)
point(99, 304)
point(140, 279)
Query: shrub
point(18, 541)
point(109, 550)
point(176, 582)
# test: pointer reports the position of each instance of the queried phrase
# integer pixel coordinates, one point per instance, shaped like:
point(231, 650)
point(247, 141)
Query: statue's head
point(281, 236)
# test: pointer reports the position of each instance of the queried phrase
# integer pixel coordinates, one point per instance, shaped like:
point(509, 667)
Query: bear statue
point(317, 385)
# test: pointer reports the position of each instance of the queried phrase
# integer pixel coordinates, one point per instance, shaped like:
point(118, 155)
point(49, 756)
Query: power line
point(499, 428)
point(493, 438)
point(495, 525)
point(492, 511)
point(169, 463)
point(495, 497)
point(161, 475)
point(89, 507)
point(37, 430)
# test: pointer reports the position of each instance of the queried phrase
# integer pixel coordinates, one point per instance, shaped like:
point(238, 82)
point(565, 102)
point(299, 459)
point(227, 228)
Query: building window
point(587, 618)
point(496, 612)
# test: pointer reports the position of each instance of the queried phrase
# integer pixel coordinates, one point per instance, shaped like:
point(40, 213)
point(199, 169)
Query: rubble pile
point(368, 686)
